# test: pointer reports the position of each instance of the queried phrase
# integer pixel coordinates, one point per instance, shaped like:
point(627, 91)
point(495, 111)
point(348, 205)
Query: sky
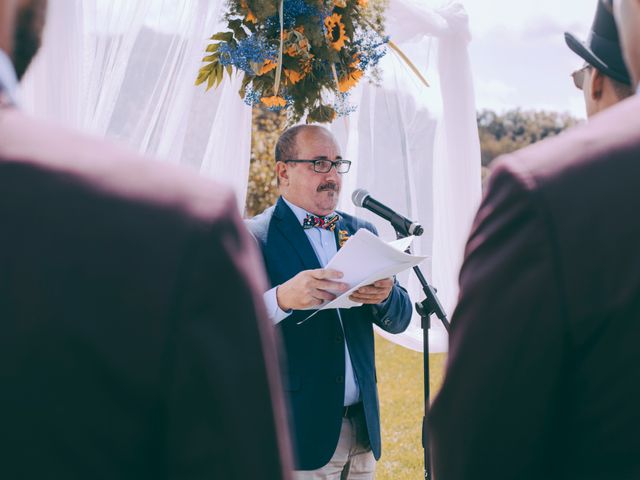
point(518, 54)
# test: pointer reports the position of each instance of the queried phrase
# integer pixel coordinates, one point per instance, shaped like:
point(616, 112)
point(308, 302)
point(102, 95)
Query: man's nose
point(333, 173)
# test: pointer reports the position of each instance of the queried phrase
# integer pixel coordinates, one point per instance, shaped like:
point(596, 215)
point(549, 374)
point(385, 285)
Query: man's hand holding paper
point(368, 265)
point(310, 288)
point(373, 294)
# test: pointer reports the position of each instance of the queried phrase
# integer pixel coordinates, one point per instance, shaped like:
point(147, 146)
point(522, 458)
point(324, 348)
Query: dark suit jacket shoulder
point(118, 277)
point(542, 374)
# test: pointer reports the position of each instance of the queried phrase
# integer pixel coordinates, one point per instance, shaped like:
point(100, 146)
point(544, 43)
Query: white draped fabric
point(417, 148)
point(125, 69)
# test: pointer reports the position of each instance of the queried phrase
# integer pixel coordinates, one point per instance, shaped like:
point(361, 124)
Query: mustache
point(328, 187)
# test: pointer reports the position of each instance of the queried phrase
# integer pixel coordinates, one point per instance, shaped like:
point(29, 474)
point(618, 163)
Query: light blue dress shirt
point(324, 244)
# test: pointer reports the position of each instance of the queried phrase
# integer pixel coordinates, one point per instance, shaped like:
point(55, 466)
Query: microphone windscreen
point(358, 196)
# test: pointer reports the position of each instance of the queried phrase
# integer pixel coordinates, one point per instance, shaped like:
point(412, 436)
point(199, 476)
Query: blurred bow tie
point(328, 223)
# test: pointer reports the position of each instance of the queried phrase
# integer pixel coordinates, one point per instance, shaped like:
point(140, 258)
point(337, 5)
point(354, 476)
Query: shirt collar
point(8, 79)
point(300, 213)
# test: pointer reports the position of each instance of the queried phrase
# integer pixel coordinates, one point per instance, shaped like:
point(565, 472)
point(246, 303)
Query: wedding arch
point(126, 70)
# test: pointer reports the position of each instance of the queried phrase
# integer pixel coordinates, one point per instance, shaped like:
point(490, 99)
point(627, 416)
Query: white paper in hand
point(365, 259)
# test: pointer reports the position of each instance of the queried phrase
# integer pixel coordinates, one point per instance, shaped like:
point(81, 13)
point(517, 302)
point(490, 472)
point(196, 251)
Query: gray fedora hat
point(602, 49)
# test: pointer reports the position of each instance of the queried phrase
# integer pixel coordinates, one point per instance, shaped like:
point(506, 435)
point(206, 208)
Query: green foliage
point(213, 72)
point(400, 387)
point(516, 129)
point(263, 8)
point(262, 190)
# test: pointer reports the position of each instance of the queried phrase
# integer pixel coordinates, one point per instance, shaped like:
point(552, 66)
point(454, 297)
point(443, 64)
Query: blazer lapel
point(287, 223)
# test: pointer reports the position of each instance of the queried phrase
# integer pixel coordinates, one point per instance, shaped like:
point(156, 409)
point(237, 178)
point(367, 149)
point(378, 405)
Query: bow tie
point(328, 223)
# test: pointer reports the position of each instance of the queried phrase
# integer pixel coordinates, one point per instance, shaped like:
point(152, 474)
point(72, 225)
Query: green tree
point(262, 190)
point(516, 129)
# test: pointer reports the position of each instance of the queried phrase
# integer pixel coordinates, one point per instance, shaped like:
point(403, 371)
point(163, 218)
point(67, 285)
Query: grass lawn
point(401, 402)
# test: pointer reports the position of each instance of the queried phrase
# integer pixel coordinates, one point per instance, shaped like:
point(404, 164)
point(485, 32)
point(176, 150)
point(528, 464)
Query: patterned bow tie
point(328, 223)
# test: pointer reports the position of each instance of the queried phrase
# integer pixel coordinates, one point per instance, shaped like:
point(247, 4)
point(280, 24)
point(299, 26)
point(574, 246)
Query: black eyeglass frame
point(336, 164)
point(578, 76)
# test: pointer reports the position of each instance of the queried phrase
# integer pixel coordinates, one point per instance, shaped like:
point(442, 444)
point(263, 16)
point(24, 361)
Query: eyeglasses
point(578, 76)
point(324, 166)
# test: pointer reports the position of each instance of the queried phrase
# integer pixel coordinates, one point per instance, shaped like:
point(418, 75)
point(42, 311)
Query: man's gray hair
point(286, 146)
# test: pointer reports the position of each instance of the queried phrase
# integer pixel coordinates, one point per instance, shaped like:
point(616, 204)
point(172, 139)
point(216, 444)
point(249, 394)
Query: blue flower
point(342, 106)
point(371, 48)
point(293, 9)
point(248, 53)
point(251, 97)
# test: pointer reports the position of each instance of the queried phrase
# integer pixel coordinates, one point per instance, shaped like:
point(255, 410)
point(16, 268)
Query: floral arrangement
point(299, 55)
point(343, 236)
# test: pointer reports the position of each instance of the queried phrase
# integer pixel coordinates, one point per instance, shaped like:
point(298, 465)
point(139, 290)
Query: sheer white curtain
point(417, 149)
point(126, 70)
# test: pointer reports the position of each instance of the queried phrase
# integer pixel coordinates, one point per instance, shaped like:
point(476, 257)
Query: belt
point(351, 411)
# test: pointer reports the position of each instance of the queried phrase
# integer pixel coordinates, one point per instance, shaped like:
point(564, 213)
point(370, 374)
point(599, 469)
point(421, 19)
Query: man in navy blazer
point(329, 368)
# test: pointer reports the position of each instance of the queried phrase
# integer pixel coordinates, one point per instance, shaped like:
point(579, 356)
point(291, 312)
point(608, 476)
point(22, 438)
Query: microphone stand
point(425, 309)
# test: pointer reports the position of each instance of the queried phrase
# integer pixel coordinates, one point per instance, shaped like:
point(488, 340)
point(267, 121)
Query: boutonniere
point(343, 236)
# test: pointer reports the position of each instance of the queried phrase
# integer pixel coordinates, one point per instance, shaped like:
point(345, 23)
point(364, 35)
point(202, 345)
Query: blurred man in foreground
point(134, 342)
point(543, 378)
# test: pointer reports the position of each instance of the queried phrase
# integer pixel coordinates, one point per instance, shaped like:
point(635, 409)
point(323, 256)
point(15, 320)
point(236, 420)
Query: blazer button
point(339, 379)
point(339, 339)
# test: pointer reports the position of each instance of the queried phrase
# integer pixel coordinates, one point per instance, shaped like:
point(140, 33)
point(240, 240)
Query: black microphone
point(404, 226)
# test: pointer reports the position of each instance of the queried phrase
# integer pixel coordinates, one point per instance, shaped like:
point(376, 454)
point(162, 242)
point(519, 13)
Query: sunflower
point(274, 101)
point(250, 18)
point(350, 80)
point(266, 67)
point(336, 35)
point(296, 44)
point(363, 3)
point(293, 76)
point(343, 236)
point(307, 64)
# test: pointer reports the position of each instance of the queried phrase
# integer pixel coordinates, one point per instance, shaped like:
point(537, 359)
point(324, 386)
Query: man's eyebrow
point(324, 157)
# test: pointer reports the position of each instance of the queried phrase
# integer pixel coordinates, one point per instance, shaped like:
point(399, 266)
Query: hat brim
point(581, 49)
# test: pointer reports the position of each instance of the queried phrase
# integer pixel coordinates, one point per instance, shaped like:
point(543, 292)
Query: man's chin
point(328, 201)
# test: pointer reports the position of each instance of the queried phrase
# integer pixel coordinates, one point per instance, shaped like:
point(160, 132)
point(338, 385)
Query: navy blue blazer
point(315, 362)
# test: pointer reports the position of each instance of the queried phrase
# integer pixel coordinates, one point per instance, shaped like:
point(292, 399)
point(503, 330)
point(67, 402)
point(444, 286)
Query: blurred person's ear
point(8, 13)
point(596, 87)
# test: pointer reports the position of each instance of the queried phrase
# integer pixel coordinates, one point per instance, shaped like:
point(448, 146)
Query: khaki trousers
point(353, 458)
